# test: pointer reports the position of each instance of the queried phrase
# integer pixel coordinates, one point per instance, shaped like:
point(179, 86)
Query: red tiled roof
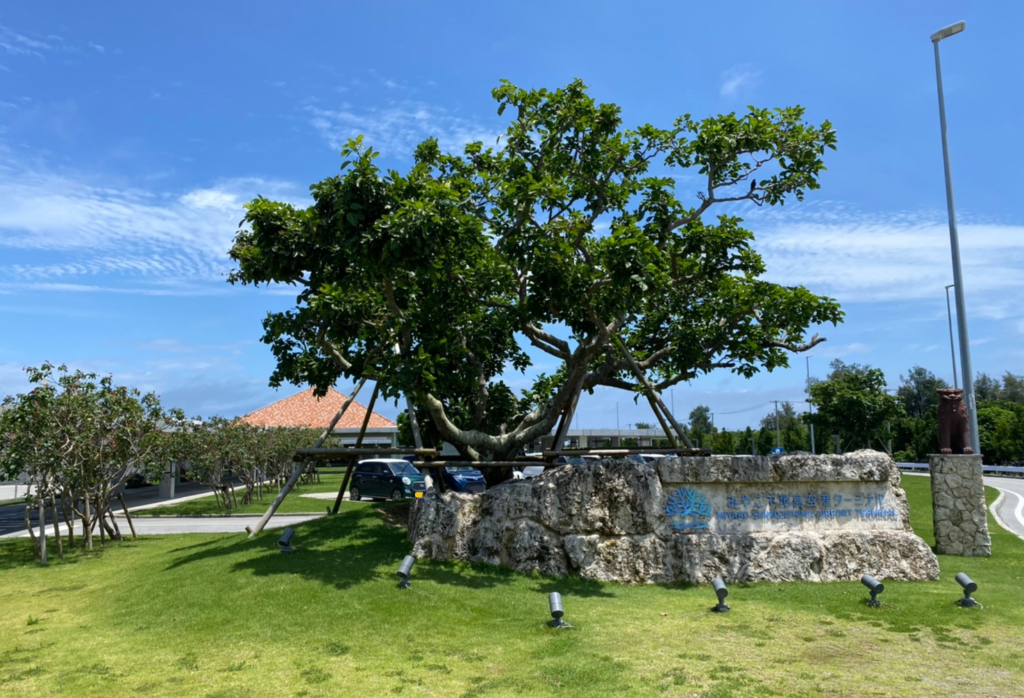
point(306, 410)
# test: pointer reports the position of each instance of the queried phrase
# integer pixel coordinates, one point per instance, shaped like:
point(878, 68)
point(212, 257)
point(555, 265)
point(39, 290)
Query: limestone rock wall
point(958, 506)
point(610, 520)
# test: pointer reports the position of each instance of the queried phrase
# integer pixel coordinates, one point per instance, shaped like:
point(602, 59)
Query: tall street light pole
point(954, 242)
point(952, 351)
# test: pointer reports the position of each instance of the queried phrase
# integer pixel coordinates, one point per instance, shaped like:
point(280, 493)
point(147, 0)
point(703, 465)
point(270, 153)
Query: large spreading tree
point(568, 235)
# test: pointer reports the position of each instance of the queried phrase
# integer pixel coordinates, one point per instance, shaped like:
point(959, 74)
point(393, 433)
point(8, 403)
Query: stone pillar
point(958, 506)
point(168, 482)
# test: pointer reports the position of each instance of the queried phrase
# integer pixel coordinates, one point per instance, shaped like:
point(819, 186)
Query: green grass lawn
point(294, 503)
point(222, 615)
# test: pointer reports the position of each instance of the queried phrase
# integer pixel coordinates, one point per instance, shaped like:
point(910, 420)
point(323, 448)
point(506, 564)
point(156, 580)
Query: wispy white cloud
point(738, 78)
point(15, 43)
point(396, 129)
point(865, 258)
point(59, 231)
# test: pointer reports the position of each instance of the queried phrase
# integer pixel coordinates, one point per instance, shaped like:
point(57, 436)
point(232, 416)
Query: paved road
point(1010, 507)
point(12, 516)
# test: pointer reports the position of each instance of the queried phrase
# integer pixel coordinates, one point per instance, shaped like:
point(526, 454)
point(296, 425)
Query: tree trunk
point(98, 521)
point(31, 531)
point(56, 528)
point(68, 509)
point(87, 525)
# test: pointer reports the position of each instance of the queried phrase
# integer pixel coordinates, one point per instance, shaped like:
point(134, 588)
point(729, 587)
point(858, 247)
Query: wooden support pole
point(652, 397)
point(344, 485)
point(334, 453)
point(567, 414)
point(56, 527)
point(359, 443)
point(301, 463)
point(42, 528)
point(31, 531)
point(126, 514)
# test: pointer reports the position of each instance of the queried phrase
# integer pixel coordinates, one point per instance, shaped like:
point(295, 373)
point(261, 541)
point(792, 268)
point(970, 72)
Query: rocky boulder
point(795, 517)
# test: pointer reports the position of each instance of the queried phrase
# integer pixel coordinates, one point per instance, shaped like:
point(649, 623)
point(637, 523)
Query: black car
point(386, 478)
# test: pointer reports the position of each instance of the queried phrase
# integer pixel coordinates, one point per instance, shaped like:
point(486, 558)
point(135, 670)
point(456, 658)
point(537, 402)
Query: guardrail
point(1006, 470)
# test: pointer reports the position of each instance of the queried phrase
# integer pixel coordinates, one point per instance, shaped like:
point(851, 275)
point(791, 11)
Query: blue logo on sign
point(690, 507)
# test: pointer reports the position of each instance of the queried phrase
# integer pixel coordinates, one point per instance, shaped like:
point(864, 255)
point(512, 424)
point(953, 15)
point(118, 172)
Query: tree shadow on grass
point(352, 547)
point(484, 576)
point(340, 550)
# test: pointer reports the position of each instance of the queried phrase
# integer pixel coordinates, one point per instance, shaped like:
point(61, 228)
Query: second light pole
point(952, 350)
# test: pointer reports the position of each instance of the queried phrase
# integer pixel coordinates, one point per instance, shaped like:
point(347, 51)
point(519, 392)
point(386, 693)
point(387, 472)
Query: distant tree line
point(852, 409)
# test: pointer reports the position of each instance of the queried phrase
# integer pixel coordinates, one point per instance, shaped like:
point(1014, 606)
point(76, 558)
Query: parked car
point(531, 471)
point(463, 478)
point(386, 478)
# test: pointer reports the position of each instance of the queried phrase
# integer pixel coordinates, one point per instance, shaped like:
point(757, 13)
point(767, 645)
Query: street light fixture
point(952, 351)
point(954, 242)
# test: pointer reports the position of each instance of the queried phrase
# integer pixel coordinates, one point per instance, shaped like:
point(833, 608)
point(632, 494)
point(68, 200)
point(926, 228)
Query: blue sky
point(132, 133)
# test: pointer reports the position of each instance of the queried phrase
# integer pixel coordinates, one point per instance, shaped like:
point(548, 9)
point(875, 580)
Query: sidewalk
point(164, 525)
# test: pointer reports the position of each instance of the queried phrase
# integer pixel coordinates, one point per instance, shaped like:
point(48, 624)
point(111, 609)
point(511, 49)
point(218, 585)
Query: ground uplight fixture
point(405, 572)
point(285, 544)
point(969, 586)
point(875, 587)
point(555, 604)
point(721, 592)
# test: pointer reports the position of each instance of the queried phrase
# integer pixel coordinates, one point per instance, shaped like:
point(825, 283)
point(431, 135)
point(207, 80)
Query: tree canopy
point(853, 403)
point(567, 235)
point(79, 437)
point(918, 391)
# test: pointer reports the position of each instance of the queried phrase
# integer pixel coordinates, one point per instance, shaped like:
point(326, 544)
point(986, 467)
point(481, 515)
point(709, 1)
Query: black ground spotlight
point(285, 544)
point(405, 572)
point(875, 587)
point(721, 592)
point(970, 586)
point(555, 604)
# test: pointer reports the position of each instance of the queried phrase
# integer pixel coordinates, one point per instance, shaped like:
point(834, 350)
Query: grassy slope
point(220, 615)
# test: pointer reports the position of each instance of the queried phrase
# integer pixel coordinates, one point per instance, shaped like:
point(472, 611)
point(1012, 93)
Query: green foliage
point(700, 425)
point(724, 442)
point(917, 391)
point(428, 281)
point(853, 403)
point(793, 433)
point(915, 434)
point(215, 450)
point(986, 388)
point(80, 436)
point(1001, 431)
